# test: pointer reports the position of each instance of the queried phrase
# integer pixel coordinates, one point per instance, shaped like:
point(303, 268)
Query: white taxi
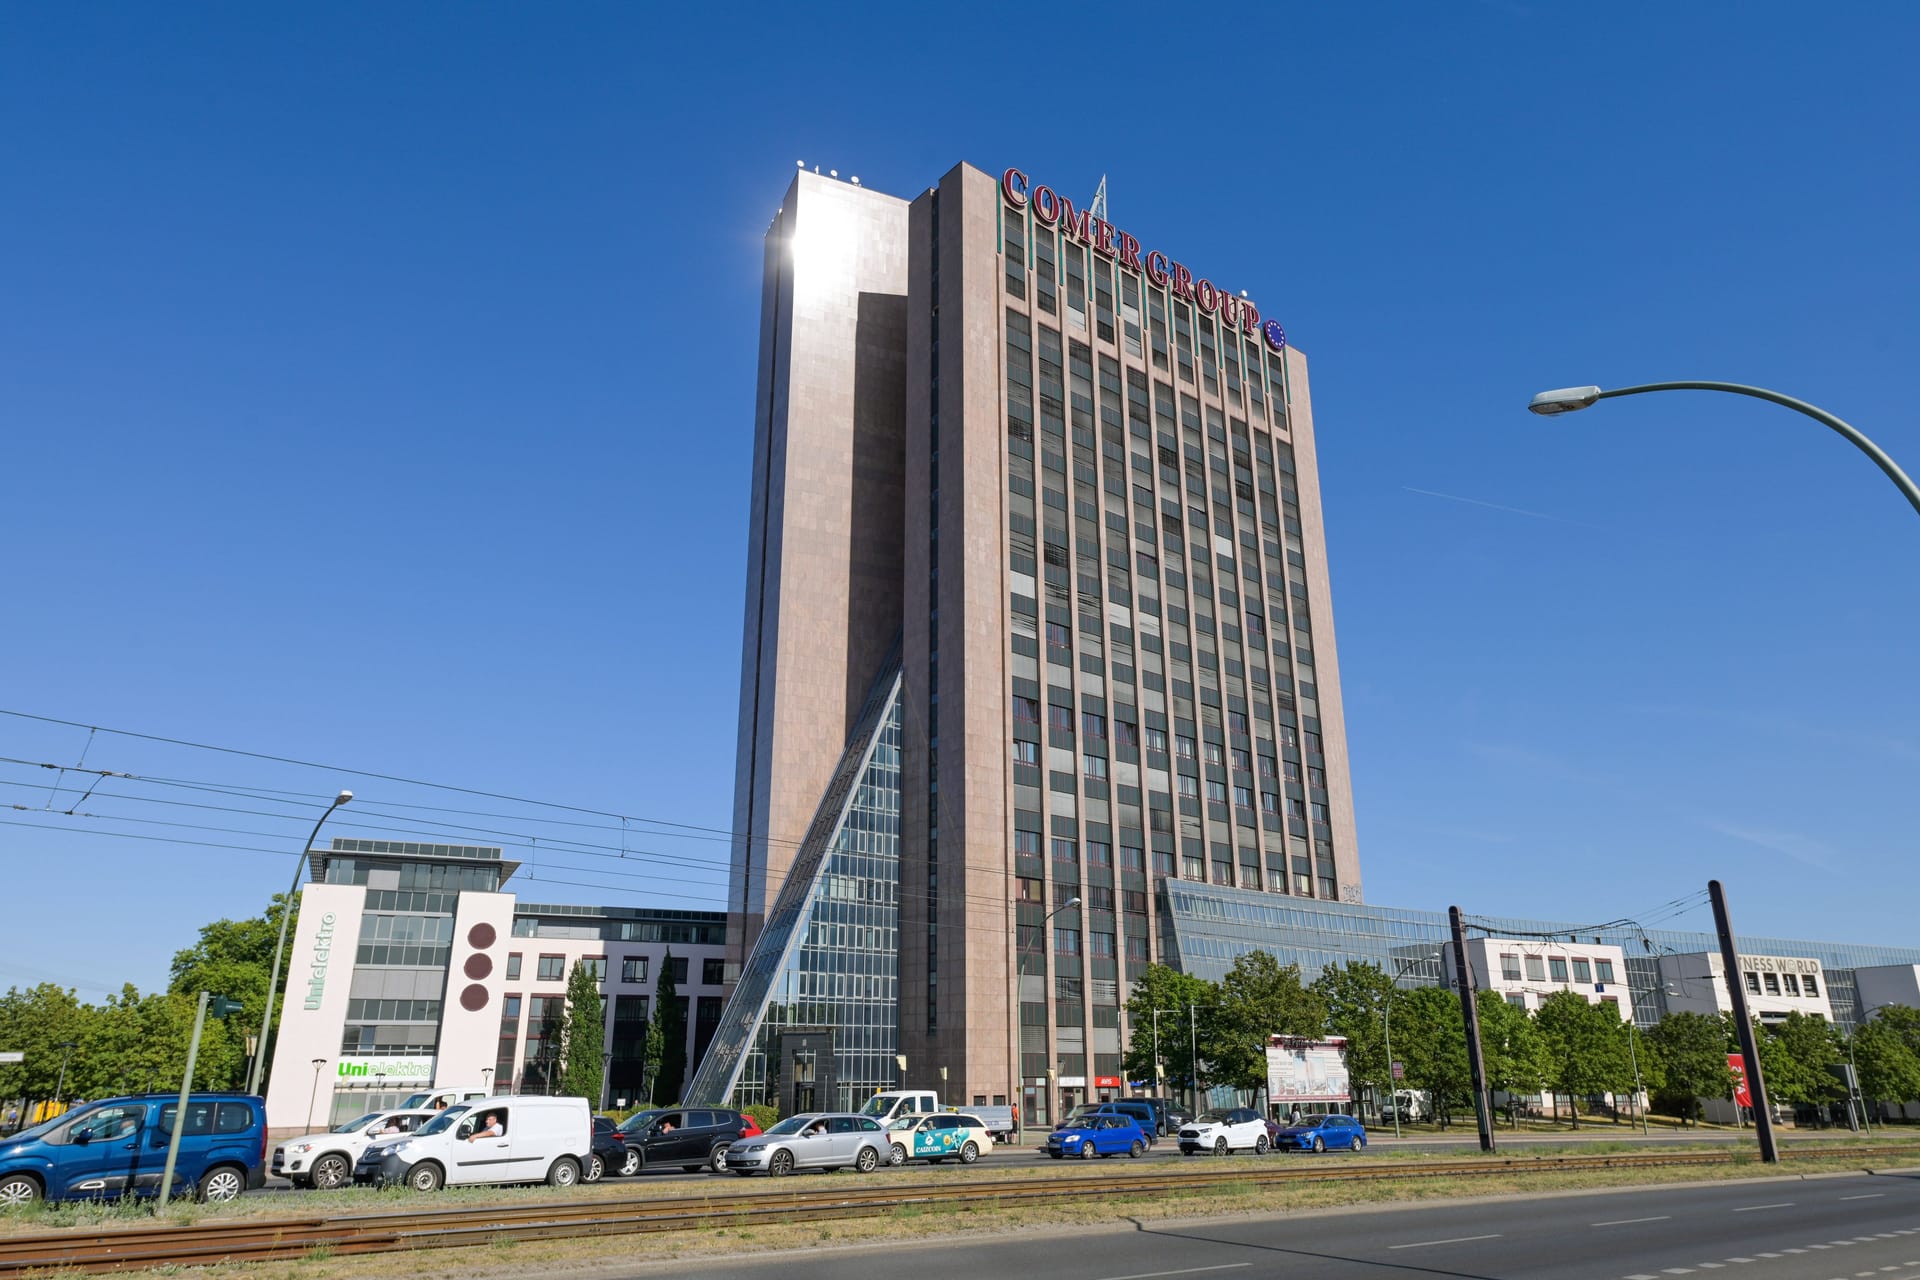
point(945, 1135)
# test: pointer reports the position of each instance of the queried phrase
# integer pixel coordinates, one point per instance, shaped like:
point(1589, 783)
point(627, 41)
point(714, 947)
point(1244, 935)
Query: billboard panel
point(1302, 1070)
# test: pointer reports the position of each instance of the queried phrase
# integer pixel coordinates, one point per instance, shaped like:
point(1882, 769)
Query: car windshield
point(638, 1120)
point(354, 1126)
point(878, 1105)
point(442, 1122)
point(1217, 1117)
point(792, 1124)
point(40, 1130)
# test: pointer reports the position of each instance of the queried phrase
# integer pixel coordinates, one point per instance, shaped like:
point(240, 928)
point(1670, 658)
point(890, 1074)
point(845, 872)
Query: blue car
point(104, 1150)
point(1321, 1133)
point(1098, 1135)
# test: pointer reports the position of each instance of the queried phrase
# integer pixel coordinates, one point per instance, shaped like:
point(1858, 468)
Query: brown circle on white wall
point(474, 998)
point(478, 966)
point(481, 936)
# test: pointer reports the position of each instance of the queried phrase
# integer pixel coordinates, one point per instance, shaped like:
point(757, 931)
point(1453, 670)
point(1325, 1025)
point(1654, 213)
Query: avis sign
point(1051, 209)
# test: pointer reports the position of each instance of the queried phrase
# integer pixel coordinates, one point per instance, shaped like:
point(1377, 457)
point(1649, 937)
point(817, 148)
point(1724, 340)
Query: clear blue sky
point(375, 388)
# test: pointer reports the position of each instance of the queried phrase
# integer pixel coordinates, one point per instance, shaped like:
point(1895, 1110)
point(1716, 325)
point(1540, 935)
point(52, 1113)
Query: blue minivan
point(104, 1150)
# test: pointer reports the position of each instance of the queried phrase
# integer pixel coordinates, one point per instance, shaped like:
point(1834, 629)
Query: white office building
point(1775, 985)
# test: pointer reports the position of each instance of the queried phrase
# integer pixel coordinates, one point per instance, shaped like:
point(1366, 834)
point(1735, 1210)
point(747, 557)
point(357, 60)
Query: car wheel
point(1220, 1146)
point(18, 1191)
point(222, 1183)
point(631, 1165)
point(896, 1154)
point(781, 1164)
point(329, 1172)
point(1319, 1144)
point(424, 1177)
point(867, 1161)
point(1137, 1150)
point(1260, 1145)
point(1358, 1142)
point(717, 1159)
point(1086, 1149)
point(564, 1173)
point(596, 1168)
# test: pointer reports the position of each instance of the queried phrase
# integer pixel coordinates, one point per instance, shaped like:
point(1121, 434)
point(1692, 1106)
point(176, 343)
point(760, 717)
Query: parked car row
point(1222, 1132)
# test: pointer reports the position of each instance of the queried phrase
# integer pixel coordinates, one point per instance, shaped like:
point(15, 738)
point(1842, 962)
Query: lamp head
point(1071, 902)
point(1565, 400)
point(342, 798)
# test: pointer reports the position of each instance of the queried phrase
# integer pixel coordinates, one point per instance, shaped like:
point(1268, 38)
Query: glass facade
point(1207, 927)
point(818, 997)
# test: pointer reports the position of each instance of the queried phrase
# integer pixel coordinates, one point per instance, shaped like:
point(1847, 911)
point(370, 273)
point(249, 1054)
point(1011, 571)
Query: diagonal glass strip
point(826, 957)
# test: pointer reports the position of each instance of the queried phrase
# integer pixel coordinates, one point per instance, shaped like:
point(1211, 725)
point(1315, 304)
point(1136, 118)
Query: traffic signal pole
point(180, 1110)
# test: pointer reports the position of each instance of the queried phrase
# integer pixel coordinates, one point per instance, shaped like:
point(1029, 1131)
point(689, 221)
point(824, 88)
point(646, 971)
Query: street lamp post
point(66, 1052)
point(314, 1093)
point(1386, 1018)
point(280, 947)
point(1570, 399)
point(1633, 1037)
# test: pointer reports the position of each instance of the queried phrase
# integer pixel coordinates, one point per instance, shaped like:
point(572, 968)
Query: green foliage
point(582, 1064)
point(1511, 1047)
point(1429, 1035)
point(1586, 1050)
point(670, 1021)
point(1887, 1052)
point(1355, 995)
point(1794, 1057)
point(764, 1114)
point(1690, 1051)
point(1259, 997)
point(1167, 989)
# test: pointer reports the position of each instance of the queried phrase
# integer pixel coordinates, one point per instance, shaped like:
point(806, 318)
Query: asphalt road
point(1823, 1228)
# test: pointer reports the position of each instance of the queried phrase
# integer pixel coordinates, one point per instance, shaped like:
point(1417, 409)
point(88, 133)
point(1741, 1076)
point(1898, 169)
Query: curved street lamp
point(280, 947)
point(1572, 399)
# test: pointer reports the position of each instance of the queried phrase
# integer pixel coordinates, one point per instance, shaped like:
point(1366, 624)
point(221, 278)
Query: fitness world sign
point(1051, 209)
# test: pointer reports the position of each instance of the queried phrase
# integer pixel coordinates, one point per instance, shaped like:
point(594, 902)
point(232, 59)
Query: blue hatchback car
point(1098, 1135)
point(104, 1150)
point(1321, 1133)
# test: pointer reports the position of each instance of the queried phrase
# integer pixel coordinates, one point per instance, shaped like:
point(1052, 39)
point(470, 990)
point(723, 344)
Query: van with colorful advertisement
point(945, 1135)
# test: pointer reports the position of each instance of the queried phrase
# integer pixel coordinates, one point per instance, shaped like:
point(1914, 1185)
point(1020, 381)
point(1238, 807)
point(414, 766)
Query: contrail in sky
point(1494, 506)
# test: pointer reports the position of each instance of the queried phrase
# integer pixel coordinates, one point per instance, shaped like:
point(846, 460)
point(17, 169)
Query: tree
point(670, 1016)
point(1889, 1068)
point(1690, 1050)
point(1795, 1055)
point(1585, 1052)
point(652, 1051)
point(1429, 1035)
point(1356, 995)
point(583, 1064)
point(1511, 1049)
point(1170, 991)
point(1259, 997)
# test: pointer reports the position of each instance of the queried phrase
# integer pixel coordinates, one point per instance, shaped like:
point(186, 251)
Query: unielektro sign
point(1051, 209)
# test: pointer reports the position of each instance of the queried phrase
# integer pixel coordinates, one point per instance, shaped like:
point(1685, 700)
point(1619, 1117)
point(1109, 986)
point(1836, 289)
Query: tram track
point(253, 1240)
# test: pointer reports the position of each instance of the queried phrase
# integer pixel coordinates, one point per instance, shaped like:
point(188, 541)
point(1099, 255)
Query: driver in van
point(491, 1128)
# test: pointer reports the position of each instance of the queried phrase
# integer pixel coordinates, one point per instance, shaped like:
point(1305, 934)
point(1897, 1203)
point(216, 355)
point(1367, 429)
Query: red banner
point(1107, 1082)
point(1738, 1065)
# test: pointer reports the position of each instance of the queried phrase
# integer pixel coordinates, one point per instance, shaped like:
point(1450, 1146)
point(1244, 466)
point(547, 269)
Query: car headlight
point(399, 1148)
point(301, 1146)
point(758, 1146)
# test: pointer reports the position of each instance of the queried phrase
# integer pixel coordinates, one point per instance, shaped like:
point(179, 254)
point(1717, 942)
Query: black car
point(691, 1137)
point(609, 1151)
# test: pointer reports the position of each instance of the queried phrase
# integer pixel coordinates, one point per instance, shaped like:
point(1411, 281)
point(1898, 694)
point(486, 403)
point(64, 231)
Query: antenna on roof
point(1099, 206)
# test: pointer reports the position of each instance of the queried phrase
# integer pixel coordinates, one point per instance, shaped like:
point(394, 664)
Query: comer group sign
point(1051, 209)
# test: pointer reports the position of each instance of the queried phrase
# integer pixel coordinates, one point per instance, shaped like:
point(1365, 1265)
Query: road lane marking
point(1676, 1271)
point(1871, 1195)
point(1421, 1244)
point(1755, 1208)
point(1624, 1222)
point(1184, 1271)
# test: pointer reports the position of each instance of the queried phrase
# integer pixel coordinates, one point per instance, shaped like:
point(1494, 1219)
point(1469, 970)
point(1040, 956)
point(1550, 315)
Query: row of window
point(1795, 984)
point(633, 969)
point(1555, 969)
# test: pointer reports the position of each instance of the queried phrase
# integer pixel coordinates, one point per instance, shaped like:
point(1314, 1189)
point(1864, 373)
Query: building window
point(1753, 983)
point(1812, 986)
point(1065, 850)
point(1066, 942)
point(1518, 1001)
point(1602, 970)
point(1216, 791)
point(1095, 766)
point(1026, 752)
point(1094, 726)
point(633, 969)
point(1582, 972)
point(1099, 853)
point(597, 966)
point(1126, 735)
point(1183, 747)
point(1270, 801)
point(1557, 968)
point(713, 973)
point(1773, 983)
point(1059, 641)
point(1266, 766)
point(1242, 761)
point(680, 971)
point(1791, 983)
point(1215, 756)
point(1026, 710)
point(513, 967)
point(1189, 786)
point(1243, 796)
point(553, 968)
point(1157, 740)
point(1237, 721)
point(1510, 968)
point(1536, 969)
point(1060, 719)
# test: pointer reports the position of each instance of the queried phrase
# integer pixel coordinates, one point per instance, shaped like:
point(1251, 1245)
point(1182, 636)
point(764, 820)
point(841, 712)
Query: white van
point(441, 1099)
point(489, 1140)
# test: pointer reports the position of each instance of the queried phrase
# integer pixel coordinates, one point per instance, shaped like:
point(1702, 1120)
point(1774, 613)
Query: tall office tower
point(1115, 668)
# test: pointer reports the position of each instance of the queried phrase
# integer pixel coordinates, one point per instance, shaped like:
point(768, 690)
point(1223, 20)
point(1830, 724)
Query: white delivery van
point(489, 1140)
point(441, 1099)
